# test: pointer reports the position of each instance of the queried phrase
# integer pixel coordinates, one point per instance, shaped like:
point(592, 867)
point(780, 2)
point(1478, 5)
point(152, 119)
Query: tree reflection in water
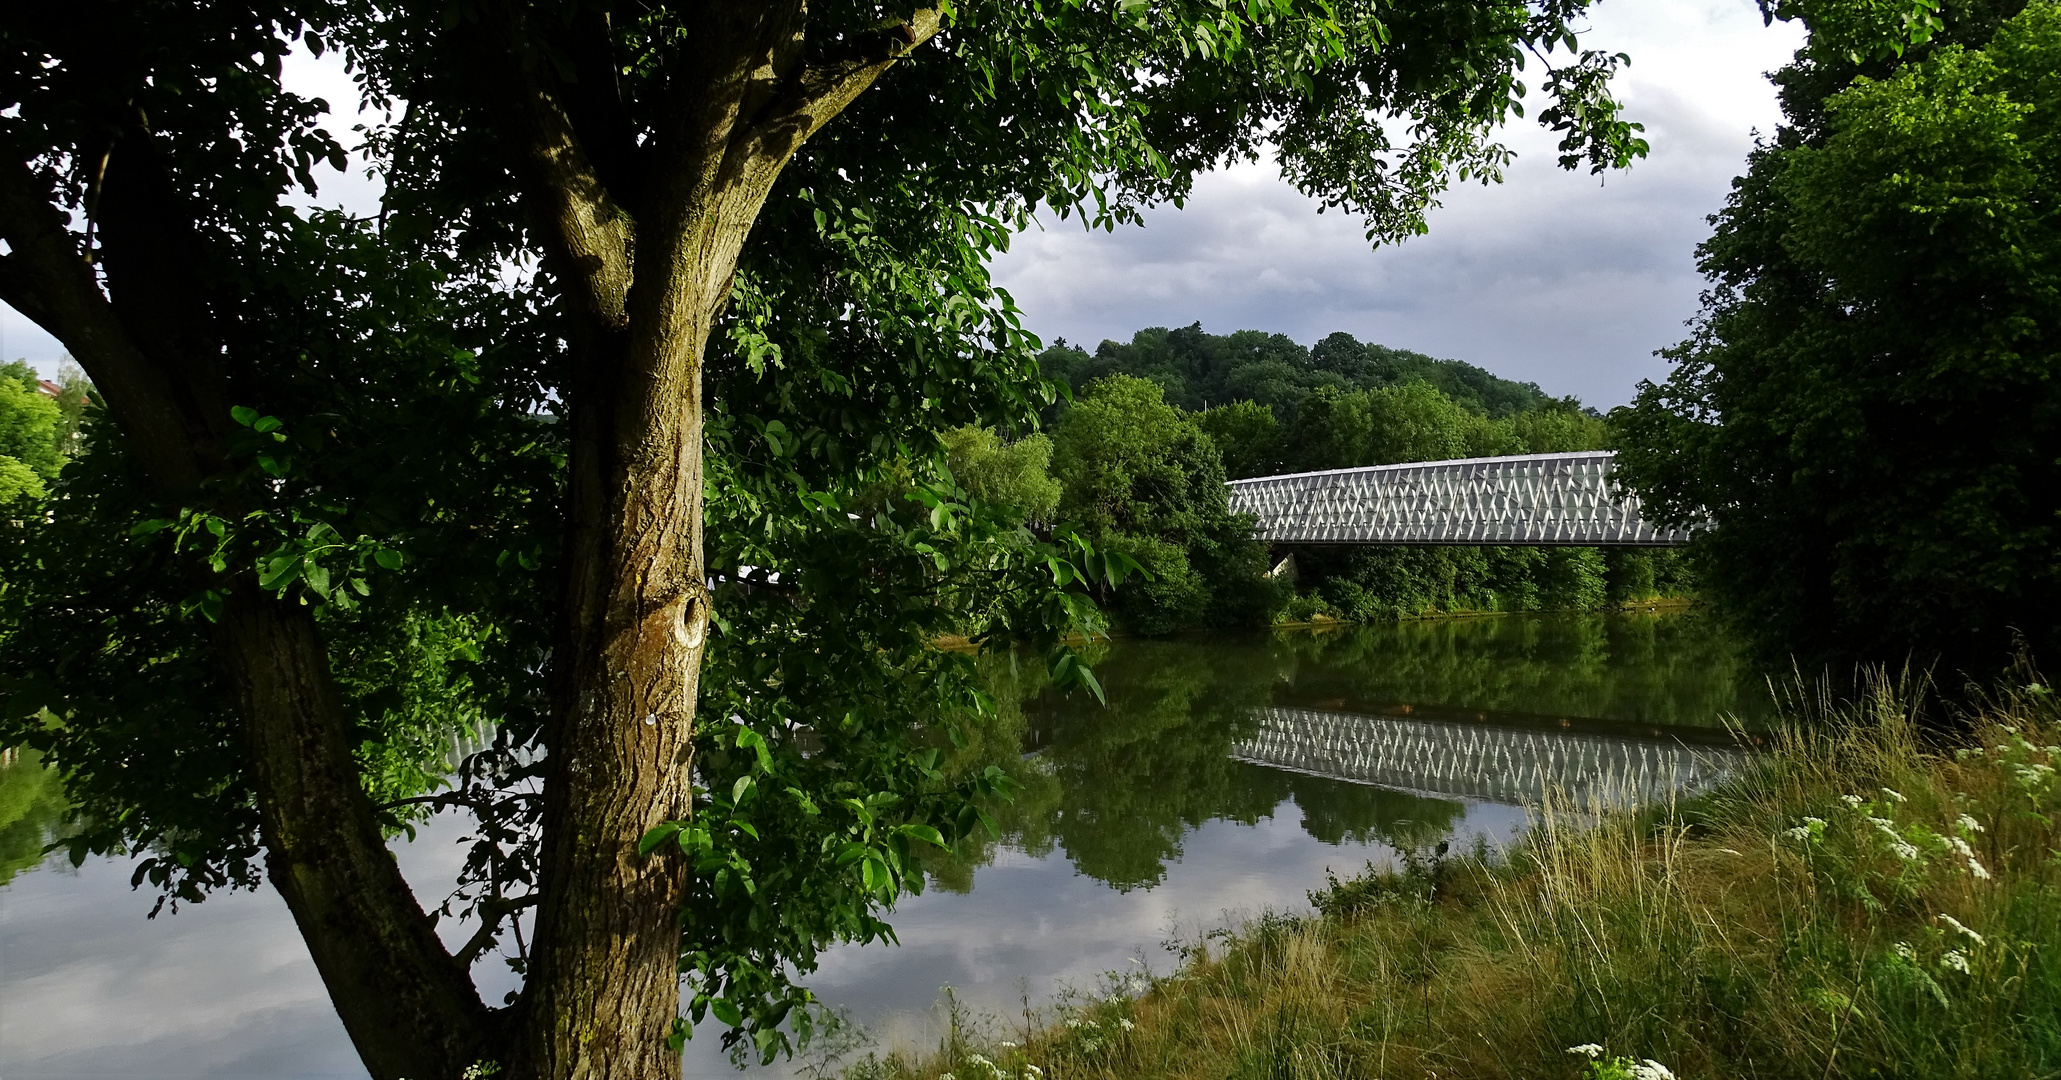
point(1117, 788)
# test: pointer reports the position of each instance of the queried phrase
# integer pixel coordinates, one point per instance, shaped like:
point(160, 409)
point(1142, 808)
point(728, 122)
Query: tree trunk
point(603, 987)
point(411, 1010)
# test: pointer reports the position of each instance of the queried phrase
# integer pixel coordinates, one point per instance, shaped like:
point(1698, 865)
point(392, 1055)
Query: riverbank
point(1855, 905)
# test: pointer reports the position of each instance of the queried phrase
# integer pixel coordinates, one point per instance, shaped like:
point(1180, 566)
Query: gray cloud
point(1551, 276)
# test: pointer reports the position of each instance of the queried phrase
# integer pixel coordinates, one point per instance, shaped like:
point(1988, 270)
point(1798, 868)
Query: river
point(1225, 778)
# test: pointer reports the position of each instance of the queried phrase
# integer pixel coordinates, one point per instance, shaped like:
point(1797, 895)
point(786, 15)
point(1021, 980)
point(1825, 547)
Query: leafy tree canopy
point(1868, 413)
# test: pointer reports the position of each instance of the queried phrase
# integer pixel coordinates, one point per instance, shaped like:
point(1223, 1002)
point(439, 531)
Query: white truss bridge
point(1485, 762)
point(1537, 499)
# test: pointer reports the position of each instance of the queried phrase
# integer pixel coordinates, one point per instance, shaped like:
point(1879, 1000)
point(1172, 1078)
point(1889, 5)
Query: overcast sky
point(1551, 277)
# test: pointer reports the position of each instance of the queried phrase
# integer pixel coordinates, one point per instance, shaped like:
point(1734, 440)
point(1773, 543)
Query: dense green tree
point(1868, 414)
point(1143, 478)
point(1412, 421)
point(747, 245)
point(1012, 475)
point(1248, 435)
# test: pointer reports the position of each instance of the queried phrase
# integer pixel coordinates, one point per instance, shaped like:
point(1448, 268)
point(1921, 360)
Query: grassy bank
point(1860, 904)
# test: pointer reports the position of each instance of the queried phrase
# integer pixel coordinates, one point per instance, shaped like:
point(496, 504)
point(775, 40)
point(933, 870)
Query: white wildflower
point(1903, 951)
point(1960, 928)
point(1906, 851)
point(1074, 1022)
point(1650, 1069)
point(1968, 824)
point(946, 1076)
point(1008, 1045)
point(1818, 821)
point(1961, 847)
point(979, 1060)
point(1981, 872)
point(1883, 824)
point(1801, 832)
point(1894, 795)
point(1125, 1023)
point(1955, 961)
point(1592, 1051)
point(1854, 801)
point(1033, 1071)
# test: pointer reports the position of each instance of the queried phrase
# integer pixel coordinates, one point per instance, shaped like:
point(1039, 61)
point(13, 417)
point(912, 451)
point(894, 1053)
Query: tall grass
point(1859, 903)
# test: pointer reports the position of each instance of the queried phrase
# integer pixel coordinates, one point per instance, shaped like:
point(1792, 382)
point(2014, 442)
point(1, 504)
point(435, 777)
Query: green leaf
point(145, 528)
point(924, 833)
point(243, 415)
point(658, 834)
point(388, 558)
point(280, 572)
point(727, 1012)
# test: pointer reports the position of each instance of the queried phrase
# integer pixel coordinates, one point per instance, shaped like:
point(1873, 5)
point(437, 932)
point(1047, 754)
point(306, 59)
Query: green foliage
point(1410, 422)
point(1867, 413)
point(18, 481)
point(1399, 415)
point(1200, 370)
point(32, 435)
point(1247, 434)
point(1373, 584)
point(1143, 478)
point(1013, 475)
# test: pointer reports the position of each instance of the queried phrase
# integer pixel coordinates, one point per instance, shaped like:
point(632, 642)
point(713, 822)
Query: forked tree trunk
point(604, 985)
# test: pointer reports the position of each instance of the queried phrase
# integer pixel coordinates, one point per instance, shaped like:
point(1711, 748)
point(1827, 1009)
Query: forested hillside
point(1272, 406)
point(1199, 369)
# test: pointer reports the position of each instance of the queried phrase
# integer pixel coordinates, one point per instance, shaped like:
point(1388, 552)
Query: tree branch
point(491, 912)
point(583, 224)
point(47, 278)
point(825, 88)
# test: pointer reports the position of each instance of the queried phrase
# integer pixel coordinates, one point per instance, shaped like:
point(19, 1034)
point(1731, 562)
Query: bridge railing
point(1533, 499)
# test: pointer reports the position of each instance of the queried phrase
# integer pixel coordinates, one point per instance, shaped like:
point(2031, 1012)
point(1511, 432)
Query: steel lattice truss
point(1542, 499)
point(1515, 766)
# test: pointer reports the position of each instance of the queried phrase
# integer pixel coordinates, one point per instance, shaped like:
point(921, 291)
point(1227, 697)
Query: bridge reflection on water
point(1519, 766)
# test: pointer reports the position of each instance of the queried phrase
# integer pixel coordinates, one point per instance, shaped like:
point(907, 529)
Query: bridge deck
point(1536, 499)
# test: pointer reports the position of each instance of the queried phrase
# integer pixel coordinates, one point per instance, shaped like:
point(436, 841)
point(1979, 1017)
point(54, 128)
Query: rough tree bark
point(650, 272)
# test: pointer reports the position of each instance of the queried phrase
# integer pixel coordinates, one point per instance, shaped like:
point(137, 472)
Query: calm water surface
point(1225, 778)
